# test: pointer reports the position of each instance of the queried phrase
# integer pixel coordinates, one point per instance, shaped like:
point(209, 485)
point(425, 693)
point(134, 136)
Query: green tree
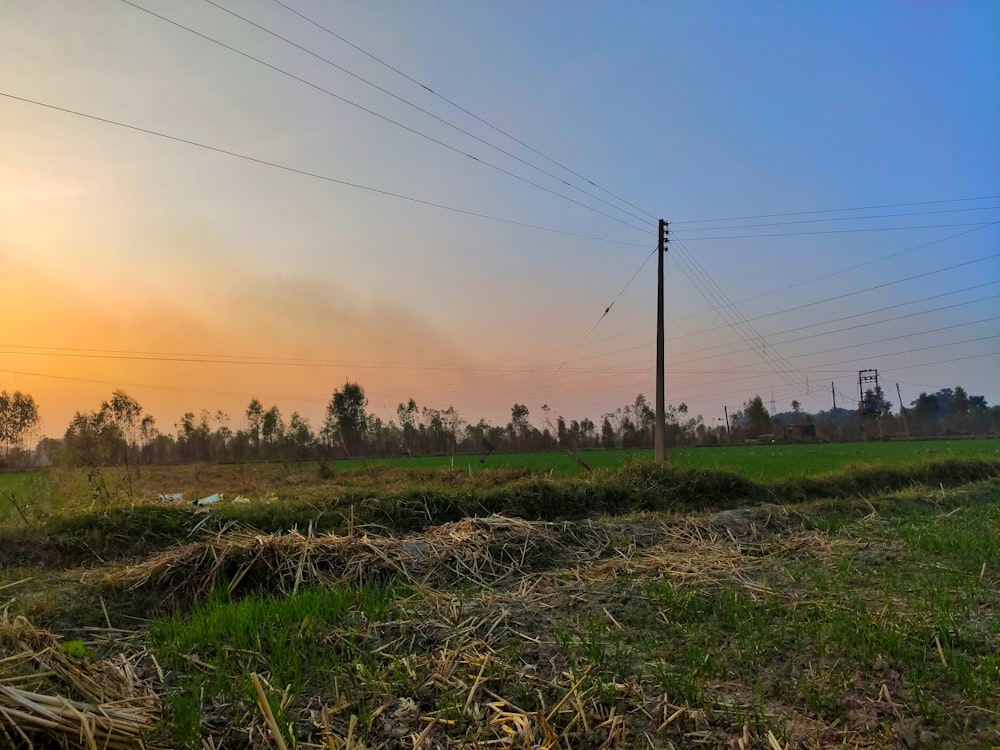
point(519, 426)
point(959, 416)
point(562, 432)
point(407, 415)
point(433, 426)
point(875, 402)
point(272, 427)
point(607, 433)
point(299, 435)
point(255, 420)
point(346, 418)
point(18, 417)
point(125, 414)
point(925, 412)
point(758, 420)
point(92, 439)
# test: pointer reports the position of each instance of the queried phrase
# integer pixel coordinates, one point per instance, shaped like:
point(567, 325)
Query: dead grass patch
point(478, 550)
point(54, 694)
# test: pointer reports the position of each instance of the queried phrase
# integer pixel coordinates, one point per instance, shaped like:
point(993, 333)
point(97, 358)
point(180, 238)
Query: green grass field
point(47, 493)
point(757, 462)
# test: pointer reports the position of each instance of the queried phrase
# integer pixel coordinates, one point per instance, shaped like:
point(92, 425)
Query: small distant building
point(800, 432)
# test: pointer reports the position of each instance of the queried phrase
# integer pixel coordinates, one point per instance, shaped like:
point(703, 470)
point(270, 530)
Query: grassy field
point(79, 489)
point(846, 597)
point(758, 462)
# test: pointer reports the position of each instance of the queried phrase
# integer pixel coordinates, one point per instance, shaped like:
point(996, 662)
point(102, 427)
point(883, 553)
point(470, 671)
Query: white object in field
point(209, 500)
point(241, 499)
point(172, 497)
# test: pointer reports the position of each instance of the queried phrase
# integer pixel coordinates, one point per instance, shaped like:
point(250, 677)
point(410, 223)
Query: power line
point(866, 263)
point(853, 345)
point(840, 218)
point(696, 391)
point(859, 345)
point(422, 110)
point(803, 283)
point(825, 322)
point(315, 175)
point(877, 286)
point(862, 359)
point(850, 328)
point(597, 322)
point(839, 210)
point(773, 358)
point(31, 351)
point(372, 112)
point(691, 391)
point(736, 368)
point(857, 359)
point(839, 231)
point(831, 274)
point(460, 107)
point(507, 370)
point(119, 384)
point(854, 401)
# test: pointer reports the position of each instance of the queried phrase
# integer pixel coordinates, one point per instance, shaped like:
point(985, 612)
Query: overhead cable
point(596, 323)
point(840, 231)
point(838, 210)
point(839, 218)
point(420, 109)
point(380, 116)
point(315, 175)
point(443, 98)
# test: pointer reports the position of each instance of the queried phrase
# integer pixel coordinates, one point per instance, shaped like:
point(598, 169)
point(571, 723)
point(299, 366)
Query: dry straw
point(51, 698)
point(478, 549)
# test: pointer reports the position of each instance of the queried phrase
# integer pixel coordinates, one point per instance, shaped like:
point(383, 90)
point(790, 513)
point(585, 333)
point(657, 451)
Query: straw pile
point(713, 552)
point(108, 706)
point(478, 549)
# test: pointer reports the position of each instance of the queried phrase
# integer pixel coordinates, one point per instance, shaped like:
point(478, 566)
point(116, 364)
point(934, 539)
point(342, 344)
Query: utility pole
point(872, 405)
point(903, 412)
point(660, 431)
point(729, 434)
point(834, 393)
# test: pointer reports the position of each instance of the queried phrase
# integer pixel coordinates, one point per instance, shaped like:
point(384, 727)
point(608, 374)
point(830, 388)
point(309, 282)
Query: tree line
point(949, 411)
point(119, 432)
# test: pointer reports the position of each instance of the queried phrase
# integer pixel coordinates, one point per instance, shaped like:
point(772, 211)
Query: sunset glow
point(196, 279)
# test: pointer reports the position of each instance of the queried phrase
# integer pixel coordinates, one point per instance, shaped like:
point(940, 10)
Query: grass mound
point(862, 479)
point(479, 550)
point(133, 532)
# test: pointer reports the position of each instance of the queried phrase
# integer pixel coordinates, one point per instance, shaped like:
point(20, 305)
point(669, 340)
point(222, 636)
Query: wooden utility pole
point(834, 392)
point(660, 430)
point(903, 412)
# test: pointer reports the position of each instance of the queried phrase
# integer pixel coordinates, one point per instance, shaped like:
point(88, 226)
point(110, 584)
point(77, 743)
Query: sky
point(204, 202)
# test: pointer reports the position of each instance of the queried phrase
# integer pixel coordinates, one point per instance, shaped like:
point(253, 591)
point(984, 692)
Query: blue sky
point(117, 243)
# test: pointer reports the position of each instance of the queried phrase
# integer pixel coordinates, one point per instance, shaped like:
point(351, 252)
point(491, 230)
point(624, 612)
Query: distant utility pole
point(870, 406)
point(660, 431)
point(903, 411)
point(834, 392)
